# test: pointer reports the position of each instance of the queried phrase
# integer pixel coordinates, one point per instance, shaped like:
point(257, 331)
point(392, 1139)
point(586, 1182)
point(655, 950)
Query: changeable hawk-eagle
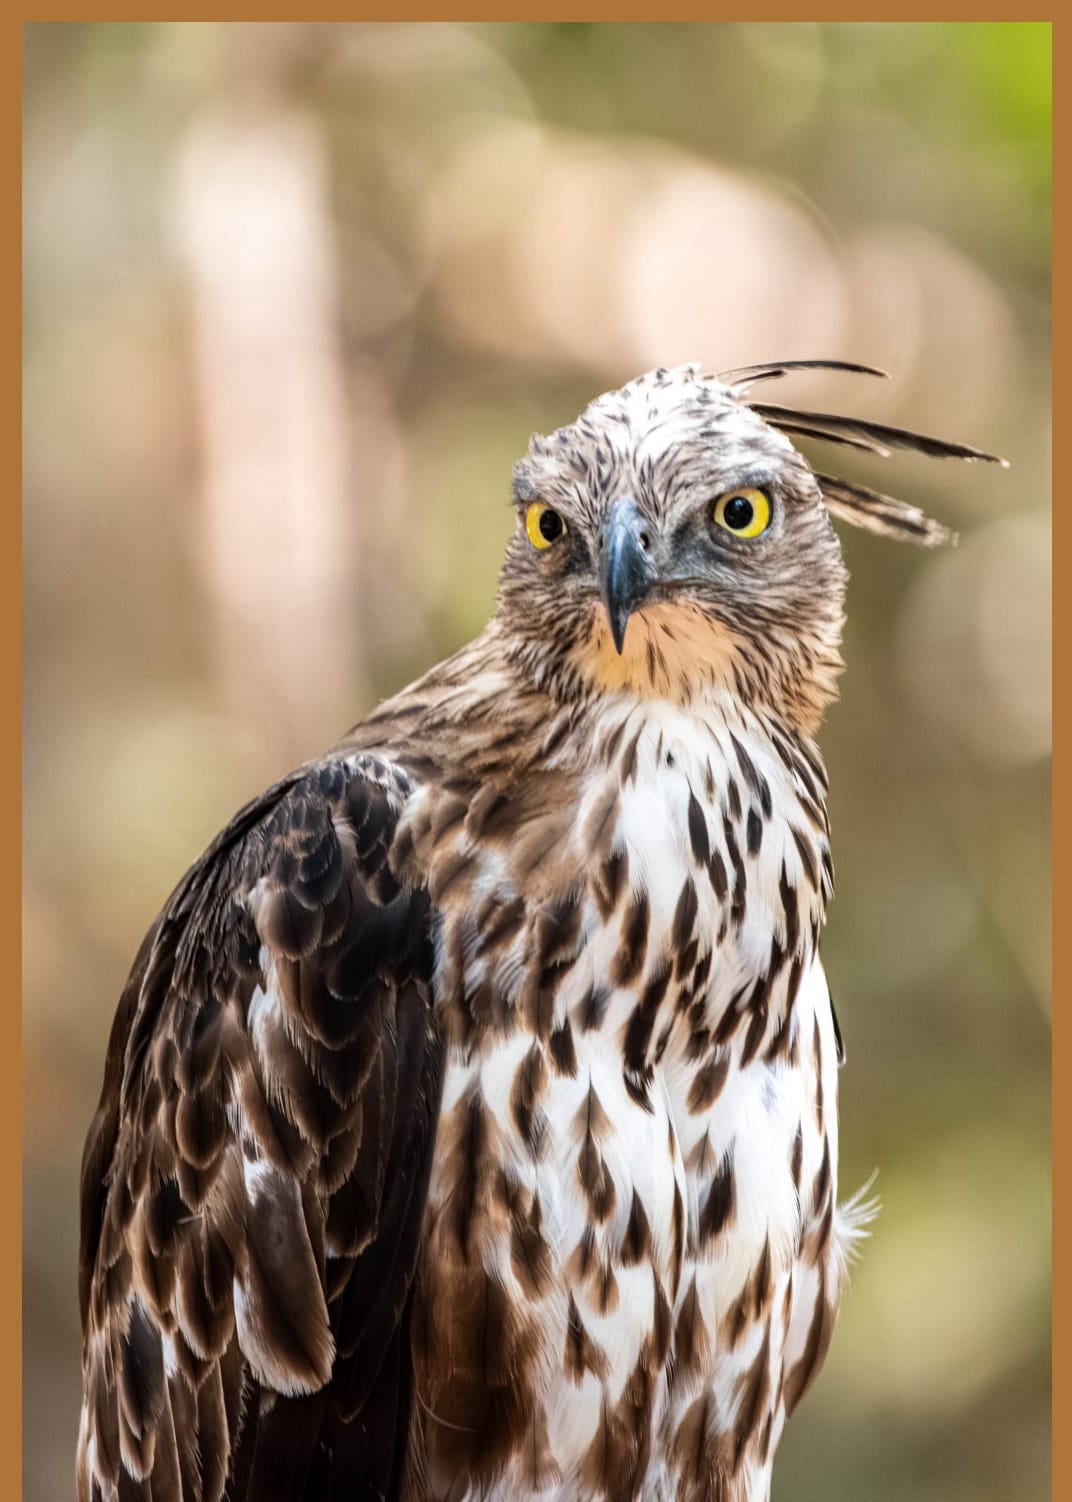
point(469, 1119)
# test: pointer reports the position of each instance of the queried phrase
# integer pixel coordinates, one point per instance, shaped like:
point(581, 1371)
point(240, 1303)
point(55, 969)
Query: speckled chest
point(618, 969)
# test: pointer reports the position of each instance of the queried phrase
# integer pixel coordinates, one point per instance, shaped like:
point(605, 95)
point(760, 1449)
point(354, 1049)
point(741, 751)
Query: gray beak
point(626, 573)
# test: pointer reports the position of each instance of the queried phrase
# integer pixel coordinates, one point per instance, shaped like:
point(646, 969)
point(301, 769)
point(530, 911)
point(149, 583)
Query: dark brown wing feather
point(254, 1179)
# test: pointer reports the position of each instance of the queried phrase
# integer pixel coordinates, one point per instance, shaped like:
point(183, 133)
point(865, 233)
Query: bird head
point(672, 542)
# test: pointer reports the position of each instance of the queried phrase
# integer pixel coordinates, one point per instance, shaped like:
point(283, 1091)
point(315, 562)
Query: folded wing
point(254, 1179)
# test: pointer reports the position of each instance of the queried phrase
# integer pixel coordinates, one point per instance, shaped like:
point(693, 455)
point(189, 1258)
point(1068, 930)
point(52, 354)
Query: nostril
point(644, 539)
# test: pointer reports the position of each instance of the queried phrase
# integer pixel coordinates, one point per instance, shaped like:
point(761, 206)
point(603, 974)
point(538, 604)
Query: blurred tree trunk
point(277, 536)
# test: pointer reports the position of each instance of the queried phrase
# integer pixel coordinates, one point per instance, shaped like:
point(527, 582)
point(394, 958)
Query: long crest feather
point(805, 430)
point(881, 514)
point(830, 427)
point(854, 503)
point(747, 375)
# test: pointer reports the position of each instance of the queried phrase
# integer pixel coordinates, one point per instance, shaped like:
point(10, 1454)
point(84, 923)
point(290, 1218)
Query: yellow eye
point(745, 513)
point(543, 525)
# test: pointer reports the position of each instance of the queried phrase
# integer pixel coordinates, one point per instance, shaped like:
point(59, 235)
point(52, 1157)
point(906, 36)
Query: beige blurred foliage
point(295, 296)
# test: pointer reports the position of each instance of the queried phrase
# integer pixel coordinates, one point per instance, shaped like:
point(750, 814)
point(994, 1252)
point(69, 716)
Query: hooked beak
point(626, 573)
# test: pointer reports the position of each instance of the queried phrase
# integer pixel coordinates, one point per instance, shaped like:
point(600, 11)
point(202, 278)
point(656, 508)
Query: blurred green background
point(296, 295)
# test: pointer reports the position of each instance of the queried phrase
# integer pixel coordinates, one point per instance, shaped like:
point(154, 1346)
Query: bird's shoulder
point(281, 874)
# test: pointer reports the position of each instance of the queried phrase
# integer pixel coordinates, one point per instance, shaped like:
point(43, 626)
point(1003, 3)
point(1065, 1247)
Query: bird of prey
point(469, 1126)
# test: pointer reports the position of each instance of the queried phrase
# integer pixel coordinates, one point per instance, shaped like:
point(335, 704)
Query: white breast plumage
point(637, 1159)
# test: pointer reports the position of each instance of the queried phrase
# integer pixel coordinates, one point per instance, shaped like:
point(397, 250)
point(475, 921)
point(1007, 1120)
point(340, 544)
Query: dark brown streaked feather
point(629, 960)
point(691, 1338)
point(800, 1375)
point(805, 430)
point(701, 1451)
point(592, 1125)
point(746, 375)
point(707, 1083)
point(719, 1206)
point(752, 1400)
point(530, 1255)
point(529, 1084)
point(480, 1409)
point(837, 429)
point(582, 1354)
point(636, 1243)
point(881, 514)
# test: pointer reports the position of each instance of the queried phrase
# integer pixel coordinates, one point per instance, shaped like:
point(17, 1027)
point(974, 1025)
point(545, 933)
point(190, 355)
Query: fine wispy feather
point(469, 1121)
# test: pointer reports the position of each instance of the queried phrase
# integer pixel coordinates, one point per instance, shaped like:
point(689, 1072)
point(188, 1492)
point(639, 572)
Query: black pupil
point(550, 525)
point(738, 512)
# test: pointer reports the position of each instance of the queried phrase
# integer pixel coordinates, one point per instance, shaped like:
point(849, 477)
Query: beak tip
point(618, 623)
